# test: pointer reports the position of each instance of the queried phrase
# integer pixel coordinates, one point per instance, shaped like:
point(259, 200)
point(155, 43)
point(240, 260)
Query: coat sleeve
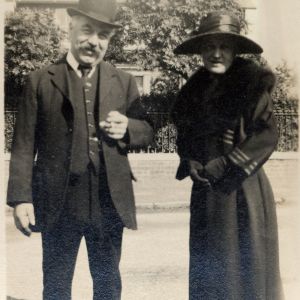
point(139, 131)
point(23, 150)
point(260, 140)
point(181, 117)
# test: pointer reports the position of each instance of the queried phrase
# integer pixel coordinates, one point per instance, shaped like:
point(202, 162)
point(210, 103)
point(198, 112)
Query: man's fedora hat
point(103, 11)
point(218, 24)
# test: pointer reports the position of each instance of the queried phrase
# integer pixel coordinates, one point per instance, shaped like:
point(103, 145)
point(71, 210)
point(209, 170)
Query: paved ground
point(155, 258)
point(154, 262)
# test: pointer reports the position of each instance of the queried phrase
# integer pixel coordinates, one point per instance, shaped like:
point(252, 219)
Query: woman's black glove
point(196, 172)
point(215, 169)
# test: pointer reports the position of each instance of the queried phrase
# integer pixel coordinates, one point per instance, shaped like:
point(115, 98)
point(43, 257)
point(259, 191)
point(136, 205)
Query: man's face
point(217, 54)
point(89, 40)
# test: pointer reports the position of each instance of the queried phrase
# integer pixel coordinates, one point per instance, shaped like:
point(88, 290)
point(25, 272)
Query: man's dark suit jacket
point(44, 130)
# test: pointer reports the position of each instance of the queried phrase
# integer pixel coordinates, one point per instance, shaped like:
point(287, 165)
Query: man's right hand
point(24, 217)
point(196, 169)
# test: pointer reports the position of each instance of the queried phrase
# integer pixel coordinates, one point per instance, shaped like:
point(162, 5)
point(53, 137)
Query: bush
point(32, 40)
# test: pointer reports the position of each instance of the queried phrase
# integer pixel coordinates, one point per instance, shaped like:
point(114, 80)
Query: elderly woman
point(226, 132)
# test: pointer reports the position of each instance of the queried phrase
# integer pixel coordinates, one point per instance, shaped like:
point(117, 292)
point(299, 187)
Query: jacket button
point(70, 129)
point(94, 139)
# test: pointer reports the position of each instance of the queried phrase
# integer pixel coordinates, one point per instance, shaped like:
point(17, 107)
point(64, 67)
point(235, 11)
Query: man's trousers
point(103, 236)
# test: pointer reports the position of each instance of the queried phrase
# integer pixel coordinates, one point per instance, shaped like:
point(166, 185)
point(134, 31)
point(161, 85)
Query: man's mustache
point(216, 61)
point(90, 48)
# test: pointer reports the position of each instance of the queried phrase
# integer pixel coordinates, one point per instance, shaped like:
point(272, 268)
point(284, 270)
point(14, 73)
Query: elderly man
point(78, 117)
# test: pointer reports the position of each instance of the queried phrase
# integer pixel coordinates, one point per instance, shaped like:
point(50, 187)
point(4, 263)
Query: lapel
point(60, 79)
point(106, 79)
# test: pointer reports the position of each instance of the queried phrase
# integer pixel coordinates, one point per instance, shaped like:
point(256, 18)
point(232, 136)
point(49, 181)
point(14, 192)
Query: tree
point(155, 28)
point(158, 26)
point(286, 108)
point(32, 40)
point(283, 98)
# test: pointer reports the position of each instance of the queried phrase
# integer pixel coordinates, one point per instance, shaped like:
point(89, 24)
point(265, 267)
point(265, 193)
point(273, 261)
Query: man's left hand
point(115, 125)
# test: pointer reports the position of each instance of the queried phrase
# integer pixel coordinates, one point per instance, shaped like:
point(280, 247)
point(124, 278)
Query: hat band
point(230, 28)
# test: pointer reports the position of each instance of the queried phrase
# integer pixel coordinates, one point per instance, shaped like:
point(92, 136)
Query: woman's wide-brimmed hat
point(103, 11)
point(219, 24)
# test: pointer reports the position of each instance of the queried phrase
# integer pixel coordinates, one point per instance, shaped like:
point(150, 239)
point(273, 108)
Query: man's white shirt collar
point(74, 65)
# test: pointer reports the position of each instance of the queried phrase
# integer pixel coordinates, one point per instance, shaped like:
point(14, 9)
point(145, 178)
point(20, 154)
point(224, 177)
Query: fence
point(288, 131)
point(165, 132)
point(10, 120)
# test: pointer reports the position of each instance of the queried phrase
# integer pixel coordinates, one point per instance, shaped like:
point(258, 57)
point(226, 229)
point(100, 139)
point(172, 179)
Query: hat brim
point(73, 11)
point(243, 45)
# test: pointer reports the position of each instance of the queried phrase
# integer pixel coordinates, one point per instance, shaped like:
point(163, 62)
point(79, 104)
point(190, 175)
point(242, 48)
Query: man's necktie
point(93, 142)
point(85, 70)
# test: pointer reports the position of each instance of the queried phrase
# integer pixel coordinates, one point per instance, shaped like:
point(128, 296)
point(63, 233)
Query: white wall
point(278, 26)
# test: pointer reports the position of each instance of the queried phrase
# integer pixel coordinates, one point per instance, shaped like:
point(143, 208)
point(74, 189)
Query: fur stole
point(225, 97)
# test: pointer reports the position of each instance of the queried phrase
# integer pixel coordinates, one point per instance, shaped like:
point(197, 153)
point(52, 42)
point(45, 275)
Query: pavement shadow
point(12, 298)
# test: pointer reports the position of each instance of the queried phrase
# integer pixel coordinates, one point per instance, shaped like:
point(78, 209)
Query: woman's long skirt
point(234, 243)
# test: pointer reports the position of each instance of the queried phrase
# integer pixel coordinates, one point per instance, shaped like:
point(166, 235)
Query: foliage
point(286, 104)
point(158, 102)
point(9, 129)
point(32, 40)
point(151, 29)
point(156, 27)
point(283, 99)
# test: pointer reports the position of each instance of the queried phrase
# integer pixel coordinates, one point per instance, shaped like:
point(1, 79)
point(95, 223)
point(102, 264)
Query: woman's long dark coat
point(233, 233)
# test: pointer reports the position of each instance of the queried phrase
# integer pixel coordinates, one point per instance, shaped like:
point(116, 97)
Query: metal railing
point(288, 129)
point(165, 132)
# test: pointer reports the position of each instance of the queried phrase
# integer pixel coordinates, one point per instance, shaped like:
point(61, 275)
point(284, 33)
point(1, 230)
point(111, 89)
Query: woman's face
point(217, 54)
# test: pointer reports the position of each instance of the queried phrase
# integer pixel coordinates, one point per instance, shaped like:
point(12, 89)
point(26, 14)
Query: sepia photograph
point(150, 150)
